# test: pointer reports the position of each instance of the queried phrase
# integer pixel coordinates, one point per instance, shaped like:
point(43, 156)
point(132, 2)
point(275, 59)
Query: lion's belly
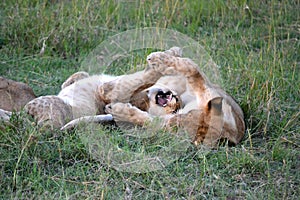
point(81, 95)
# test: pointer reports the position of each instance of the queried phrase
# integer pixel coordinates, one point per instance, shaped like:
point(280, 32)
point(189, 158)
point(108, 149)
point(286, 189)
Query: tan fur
point(208, 114)
point(74, 78)
point(14, 95)
point(233, 125)
point(50, 111)
point(76, 99)
point(83, 95)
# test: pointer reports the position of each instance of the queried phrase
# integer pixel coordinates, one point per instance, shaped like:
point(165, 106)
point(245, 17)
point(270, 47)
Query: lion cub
point(207, 113)
point(81, 99)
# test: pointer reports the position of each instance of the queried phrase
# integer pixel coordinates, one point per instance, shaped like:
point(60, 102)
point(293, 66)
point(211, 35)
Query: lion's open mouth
point(163, 98)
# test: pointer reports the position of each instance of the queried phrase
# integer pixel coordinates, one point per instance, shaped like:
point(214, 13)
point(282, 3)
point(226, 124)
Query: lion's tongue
point(162, 101)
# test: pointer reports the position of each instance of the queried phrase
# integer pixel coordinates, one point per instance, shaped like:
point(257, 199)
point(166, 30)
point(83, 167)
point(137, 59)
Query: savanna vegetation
point(255, 43)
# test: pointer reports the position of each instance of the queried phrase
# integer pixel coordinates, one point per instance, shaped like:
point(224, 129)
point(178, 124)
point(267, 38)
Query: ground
point(256, 43)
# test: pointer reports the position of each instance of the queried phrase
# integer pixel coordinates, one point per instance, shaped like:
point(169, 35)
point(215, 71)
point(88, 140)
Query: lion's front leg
point(125, 87)
point(125, 112)
point(168, 64)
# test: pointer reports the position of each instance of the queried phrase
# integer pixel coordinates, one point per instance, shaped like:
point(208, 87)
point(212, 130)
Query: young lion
point(79, 99)
point(208, 113)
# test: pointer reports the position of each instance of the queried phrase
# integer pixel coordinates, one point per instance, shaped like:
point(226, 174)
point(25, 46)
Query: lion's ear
point(215, 106)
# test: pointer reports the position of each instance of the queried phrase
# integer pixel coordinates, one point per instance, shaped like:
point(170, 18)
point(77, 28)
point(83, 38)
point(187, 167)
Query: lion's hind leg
point(49, 111)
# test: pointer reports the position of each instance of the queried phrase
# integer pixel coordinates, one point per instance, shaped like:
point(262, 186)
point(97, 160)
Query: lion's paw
point(125, 112)
point(161, 62)
point(120, 111)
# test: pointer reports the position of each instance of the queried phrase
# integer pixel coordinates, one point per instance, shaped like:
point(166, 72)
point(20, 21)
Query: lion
point(207, 112)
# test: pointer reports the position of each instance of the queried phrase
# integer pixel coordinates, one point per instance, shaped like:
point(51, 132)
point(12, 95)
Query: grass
point(256, 43)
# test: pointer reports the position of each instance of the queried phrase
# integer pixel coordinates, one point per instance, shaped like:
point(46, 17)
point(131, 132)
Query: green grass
point(257, 49)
